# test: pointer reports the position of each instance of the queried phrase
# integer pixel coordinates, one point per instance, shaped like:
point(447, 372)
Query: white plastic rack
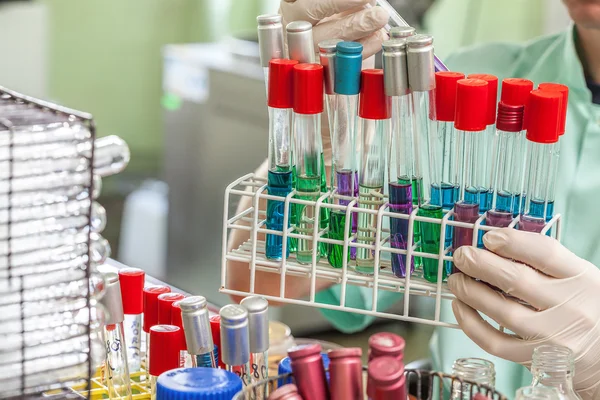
point(252, 252)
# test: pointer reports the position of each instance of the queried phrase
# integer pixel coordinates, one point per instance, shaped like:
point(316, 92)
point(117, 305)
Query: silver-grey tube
point(327, 50)
point(300, 42)
point(421, 63)
point(112, 299)
point(235, 347)
point(401, 32)
point(270, 38)
point(395, 67)
point(196, 325)
point(258, 322)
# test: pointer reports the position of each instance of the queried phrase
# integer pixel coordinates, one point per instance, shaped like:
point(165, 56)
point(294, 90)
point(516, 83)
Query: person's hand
point(349, 20)
point(563, 290)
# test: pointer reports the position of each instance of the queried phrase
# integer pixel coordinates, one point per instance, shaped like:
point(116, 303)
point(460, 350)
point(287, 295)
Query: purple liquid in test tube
point(346, 187)
point(464, 212)
point(400, 201)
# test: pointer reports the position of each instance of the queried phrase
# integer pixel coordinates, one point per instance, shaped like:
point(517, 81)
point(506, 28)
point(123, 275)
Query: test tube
point(185, 360)
point(132, 286)
point(164, 353)
point(327, 57)
point(215, 328)
point(403, 166)
point(427, 151)
point(401, 32)
point(270, 41)
point(280, 102)
point(258, 327)
point(165, 303)
point(308, 106)
point(372, 132)
point(117, 371)
point(309, 372)
point(543, 118)
point(386, 344)
point(345, 370)
point(235, 346)
point(198, 336)
point(343, 138)
point(386, 379)
point(564, 91)
point(471, 109)
point(151, 294)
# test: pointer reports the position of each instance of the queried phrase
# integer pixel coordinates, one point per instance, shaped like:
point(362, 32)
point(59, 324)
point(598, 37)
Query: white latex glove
point(563, 288)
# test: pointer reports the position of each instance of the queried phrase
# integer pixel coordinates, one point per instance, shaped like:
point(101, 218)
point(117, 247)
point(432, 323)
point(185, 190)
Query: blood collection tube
point(403, 166)
point(235, 346)
point(151, 294)
point(386, 344)
point(564, 91)
point(132, 287)
point(401, 32)
point(386, 379)
point(343, 138)
point(185, 360)
point(270, 41)
point(345, 370)
point(308, 106)
point(165, 302)
point(309, 372)
point(215, 328)
point(196, 327)
point(258, 327)
point(421, 77)
point(286, 392)
point(280, 102)
point(543, 116)
point(471, 109)
point(372, 132)
point(117, 371)
point(164, 352)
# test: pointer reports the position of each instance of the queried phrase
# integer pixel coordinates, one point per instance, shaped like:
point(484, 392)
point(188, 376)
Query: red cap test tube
point(151, 294)
point(132, 286)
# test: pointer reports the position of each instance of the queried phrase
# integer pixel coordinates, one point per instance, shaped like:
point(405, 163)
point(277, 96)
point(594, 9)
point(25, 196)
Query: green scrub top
point(546, 59)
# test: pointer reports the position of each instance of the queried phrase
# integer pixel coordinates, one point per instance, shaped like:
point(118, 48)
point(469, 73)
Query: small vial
point(386, 379)
point(164, 352)
point(386, 344)
point(235, 347)
point(165, 301)
point(117, 371)
point(286, 392)
point(198, 384)
point(270, 41)
point(346, 374)
point(215, 328)
point(258, 326)
point(309, 372)
point(476, 370)
point(554, 367)
point(151, 294)
point(132, 286)
point(537, 393)
point(198, 336)
point(185, 360)
point(401, 32)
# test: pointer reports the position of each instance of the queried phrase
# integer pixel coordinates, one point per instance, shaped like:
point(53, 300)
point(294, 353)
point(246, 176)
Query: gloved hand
point(563, 288)
point(340, 19)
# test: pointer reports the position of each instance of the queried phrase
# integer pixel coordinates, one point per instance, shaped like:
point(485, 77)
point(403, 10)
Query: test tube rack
point(252, 252)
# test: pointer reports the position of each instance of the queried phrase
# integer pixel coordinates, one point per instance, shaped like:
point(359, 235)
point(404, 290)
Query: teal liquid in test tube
point(280, 103)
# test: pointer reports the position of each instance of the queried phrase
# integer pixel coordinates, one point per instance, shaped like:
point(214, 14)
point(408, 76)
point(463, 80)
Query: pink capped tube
point(286, 392)
point(307, 366)
point(345, 372)
point(386, 344)
point(386, 379)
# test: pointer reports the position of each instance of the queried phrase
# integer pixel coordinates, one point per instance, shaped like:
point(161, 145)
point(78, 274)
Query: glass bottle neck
point(561, 380)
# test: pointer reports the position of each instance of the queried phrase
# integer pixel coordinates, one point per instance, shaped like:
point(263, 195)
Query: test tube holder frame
point(12, 284)
point(252, 252)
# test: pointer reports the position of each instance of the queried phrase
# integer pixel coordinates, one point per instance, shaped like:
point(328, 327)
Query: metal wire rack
point(252, 252)
point(47, 247)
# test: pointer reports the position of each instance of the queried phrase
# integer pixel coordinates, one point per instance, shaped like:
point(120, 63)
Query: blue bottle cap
point(285, 367)
point(348, 63)
point(197, 384)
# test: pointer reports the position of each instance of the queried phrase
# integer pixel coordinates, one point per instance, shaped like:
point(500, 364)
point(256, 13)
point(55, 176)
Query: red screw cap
point(564, 91)
point(308, 88)
point(515, 91)
point(132, 287)
point(471, 105)
point(165, 301)
point(543, 114)
point(373, 103)
point(492, 97)
point(281, 83)
point(151, 294)
point(164, 349)
point(215, 328)
point(388, 344)
point(445, 94)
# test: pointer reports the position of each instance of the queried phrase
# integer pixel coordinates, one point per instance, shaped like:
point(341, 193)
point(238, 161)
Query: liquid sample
point(537, 219)
point(498, 218)
point(370, 198)
point(279, 184)
point(337, 224)
point(417, 199)
point(484, 198)
point(308, 188)
point(293, 242)
point(324, 213)
point(446, 197)
point(464, 212)
point(400, 201)
point(430, 241)
point(531, 224)
point(507, 202)
point(337, 219)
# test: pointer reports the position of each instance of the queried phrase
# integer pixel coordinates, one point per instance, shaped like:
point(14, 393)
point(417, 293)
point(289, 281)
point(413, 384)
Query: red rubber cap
point(215, 328)
point(492, 98)
point(132, 287)
point(176, 321)
point(471, 105)
point(543, 114)
point(164, 349)
point(151, 294)
point(445, 94)
point(564, 91)
point(308, 88)
point(515, 91)
point(373, 103)
point(165, 301)
point(281, 83)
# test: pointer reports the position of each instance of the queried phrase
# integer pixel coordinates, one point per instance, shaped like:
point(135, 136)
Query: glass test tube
point(198, 336)
point(270, 41)
point(372, 131)
point(151, 294)
point(427, 149)
point(164, 352)
point(132, 286)
point(403, 166)
point(117, 371)
point(476, 370)
point(554, 367)
point(235, 341)
point(471, 101)
point(215, 328)
point(185, 360)
point(308, 106)
point(280, 102)
point(543, 123)
point(343, 144)
point(258, 327)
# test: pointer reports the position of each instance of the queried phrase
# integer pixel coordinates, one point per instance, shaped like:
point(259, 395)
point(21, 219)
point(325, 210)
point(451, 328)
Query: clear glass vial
point(554, 367)
point(475, 370)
